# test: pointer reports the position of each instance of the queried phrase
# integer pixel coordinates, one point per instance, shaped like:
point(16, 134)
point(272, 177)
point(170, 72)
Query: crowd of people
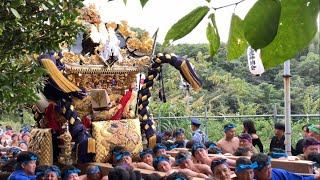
point(176, 156)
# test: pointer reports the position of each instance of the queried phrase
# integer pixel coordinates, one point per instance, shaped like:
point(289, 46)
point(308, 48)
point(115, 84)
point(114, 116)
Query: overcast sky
point(164, 13)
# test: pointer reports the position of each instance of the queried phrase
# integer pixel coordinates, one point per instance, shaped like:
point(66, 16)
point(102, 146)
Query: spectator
point(245, 140)
point(299, 145)
point(315, 131)
point(265, 172)
point(249, 128)
point(315, 157)
point(244, 168)
point(229, 143)
point(277, 141)
point(309, 145)
point(220, 169)
point(70, 173)
point(25, 167)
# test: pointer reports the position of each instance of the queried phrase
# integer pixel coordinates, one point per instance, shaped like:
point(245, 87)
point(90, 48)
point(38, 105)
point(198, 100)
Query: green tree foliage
point(280, 28)
point(28, 27)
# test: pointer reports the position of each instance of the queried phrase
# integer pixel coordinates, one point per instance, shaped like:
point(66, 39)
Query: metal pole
point(287, 105)
point(206, 116)
point(159, 121)
point(275, 113)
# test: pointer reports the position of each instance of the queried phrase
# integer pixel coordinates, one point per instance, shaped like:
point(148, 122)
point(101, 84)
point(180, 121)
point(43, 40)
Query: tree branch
point(216, 8)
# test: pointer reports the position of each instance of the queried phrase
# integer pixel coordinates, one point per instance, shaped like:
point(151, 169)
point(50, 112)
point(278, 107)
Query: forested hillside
point(229, 88)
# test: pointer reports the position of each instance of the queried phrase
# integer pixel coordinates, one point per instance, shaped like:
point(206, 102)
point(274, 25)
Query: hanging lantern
point(255, 62)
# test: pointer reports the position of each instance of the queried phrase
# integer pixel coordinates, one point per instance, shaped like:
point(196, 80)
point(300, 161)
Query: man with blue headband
point(25, 167)
point(244, 168)
point(162, 164)
point(229, 143)
point(93, 173)
point(263, 170)
point(198, 135)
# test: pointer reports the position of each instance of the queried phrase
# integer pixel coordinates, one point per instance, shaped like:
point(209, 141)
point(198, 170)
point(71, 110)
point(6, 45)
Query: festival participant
point(315, 157)
point(249, 128)
point(118, 173)
point(178, 134)
point(1, 130)
point(221, 170)
point(114, 153)
point(93, 173)
point(212, 148)
point(177, 176)
point(229, 143)
point(309, 145)
point(277, 141)
point(278, 154)
point(264, 171)
point(14, 140)
point(161, 150)
point(198, 135)
point(243, 151)
point(179, 144)
point(40, 169)
point(147, 156)
point(25, 167)
point(161, 163)
point(124, 157)
point(299, 145)
point(201, 154)
point(165, 136)
point(315, 131)
point(244, 168)
point(70, 173)
point(9, 130)
point(25, 137)
point(52, 173)
point(245, 140)
point(184, 161)
point(23, 146)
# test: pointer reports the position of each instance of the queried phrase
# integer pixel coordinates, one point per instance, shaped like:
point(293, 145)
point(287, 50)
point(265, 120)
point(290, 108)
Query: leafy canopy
point(29, 27)
point(280, 28)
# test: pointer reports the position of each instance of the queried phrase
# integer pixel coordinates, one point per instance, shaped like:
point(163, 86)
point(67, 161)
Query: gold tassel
point(63, 83)
point(186, 72)
point(91, 145)
point(152, 141)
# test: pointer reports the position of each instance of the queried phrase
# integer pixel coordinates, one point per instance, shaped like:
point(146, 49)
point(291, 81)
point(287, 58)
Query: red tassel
point(124, 100)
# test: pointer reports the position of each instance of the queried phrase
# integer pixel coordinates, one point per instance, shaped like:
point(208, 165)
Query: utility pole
point(287, 105)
